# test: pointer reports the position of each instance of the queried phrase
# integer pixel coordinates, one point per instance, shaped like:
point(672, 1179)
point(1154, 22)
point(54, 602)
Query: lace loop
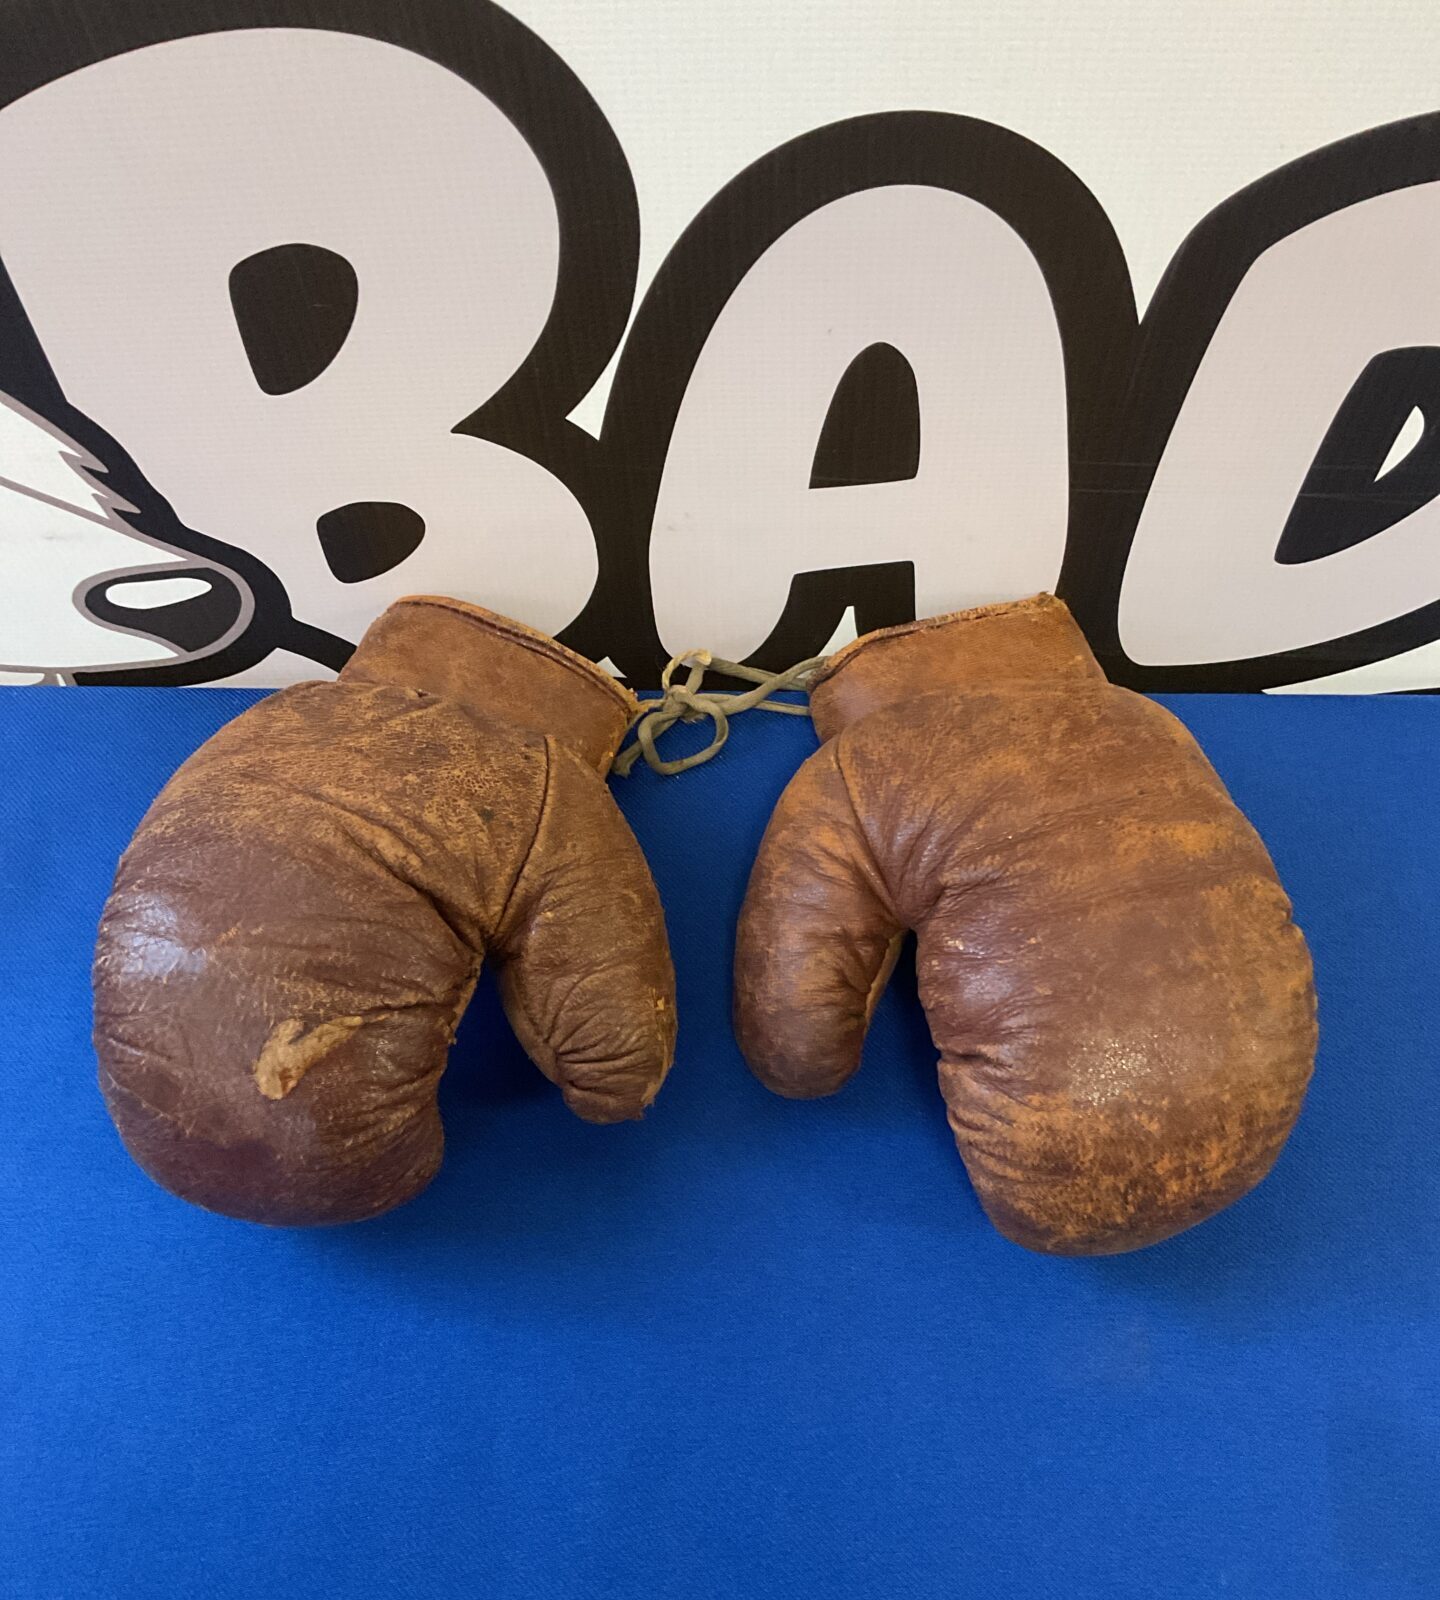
point(686, 702)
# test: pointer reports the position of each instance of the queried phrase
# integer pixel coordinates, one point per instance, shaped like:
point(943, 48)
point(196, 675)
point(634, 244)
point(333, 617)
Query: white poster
point(309, 304)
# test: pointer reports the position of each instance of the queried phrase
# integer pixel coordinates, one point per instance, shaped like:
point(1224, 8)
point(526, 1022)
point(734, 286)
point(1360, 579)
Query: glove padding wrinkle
point(300, 921)
point(1121, 1002)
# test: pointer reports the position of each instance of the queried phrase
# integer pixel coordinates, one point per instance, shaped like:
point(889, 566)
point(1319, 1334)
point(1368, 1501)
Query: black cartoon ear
point(1347, 497)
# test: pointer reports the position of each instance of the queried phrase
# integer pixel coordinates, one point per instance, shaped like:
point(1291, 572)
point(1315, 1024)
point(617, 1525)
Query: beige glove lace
point(684, 702)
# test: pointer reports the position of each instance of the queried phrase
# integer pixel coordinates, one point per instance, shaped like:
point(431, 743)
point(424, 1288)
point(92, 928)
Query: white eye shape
point(1405, 441)
point(146, 594)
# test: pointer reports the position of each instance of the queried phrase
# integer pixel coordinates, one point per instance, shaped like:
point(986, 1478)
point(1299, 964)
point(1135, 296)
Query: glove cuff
point(497, 668)
point(1025, 641)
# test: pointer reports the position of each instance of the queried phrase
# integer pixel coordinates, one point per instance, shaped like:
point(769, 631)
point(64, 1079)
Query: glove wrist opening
point(1034, 640)
point(496, 667)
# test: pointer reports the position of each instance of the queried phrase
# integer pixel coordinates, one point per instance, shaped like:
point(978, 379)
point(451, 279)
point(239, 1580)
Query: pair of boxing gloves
point(1121, 1002)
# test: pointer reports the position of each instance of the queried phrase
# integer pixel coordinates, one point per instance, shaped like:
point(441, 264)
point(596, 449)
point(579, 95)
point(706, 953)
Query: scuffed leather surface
point(1033, 640)
point(1122, 1004)
point(499, 667)
point(300, 920)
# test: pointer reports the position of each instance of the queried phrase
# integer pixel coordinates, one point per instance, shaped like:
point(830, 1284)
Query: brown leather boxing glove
point(300, 919)
point(1122, 1004)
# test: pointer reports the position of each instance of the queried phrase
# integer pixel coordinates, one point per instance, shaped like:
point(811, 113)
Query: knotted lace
point(685, 702)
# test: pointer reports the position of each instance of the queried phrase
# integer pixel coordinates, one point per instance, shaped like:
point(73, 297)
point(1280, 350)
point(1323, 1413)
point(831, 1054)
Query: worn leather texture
point(298, 924)
point(1122, 1003)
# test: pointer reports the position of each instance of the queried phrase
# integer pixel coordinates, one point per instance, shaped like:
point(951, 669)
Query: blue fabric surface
point(747, 1348)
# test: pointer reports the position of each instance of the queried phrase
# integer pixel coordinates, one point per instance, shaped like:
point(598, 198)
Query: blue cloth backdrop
point(747, 1349)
